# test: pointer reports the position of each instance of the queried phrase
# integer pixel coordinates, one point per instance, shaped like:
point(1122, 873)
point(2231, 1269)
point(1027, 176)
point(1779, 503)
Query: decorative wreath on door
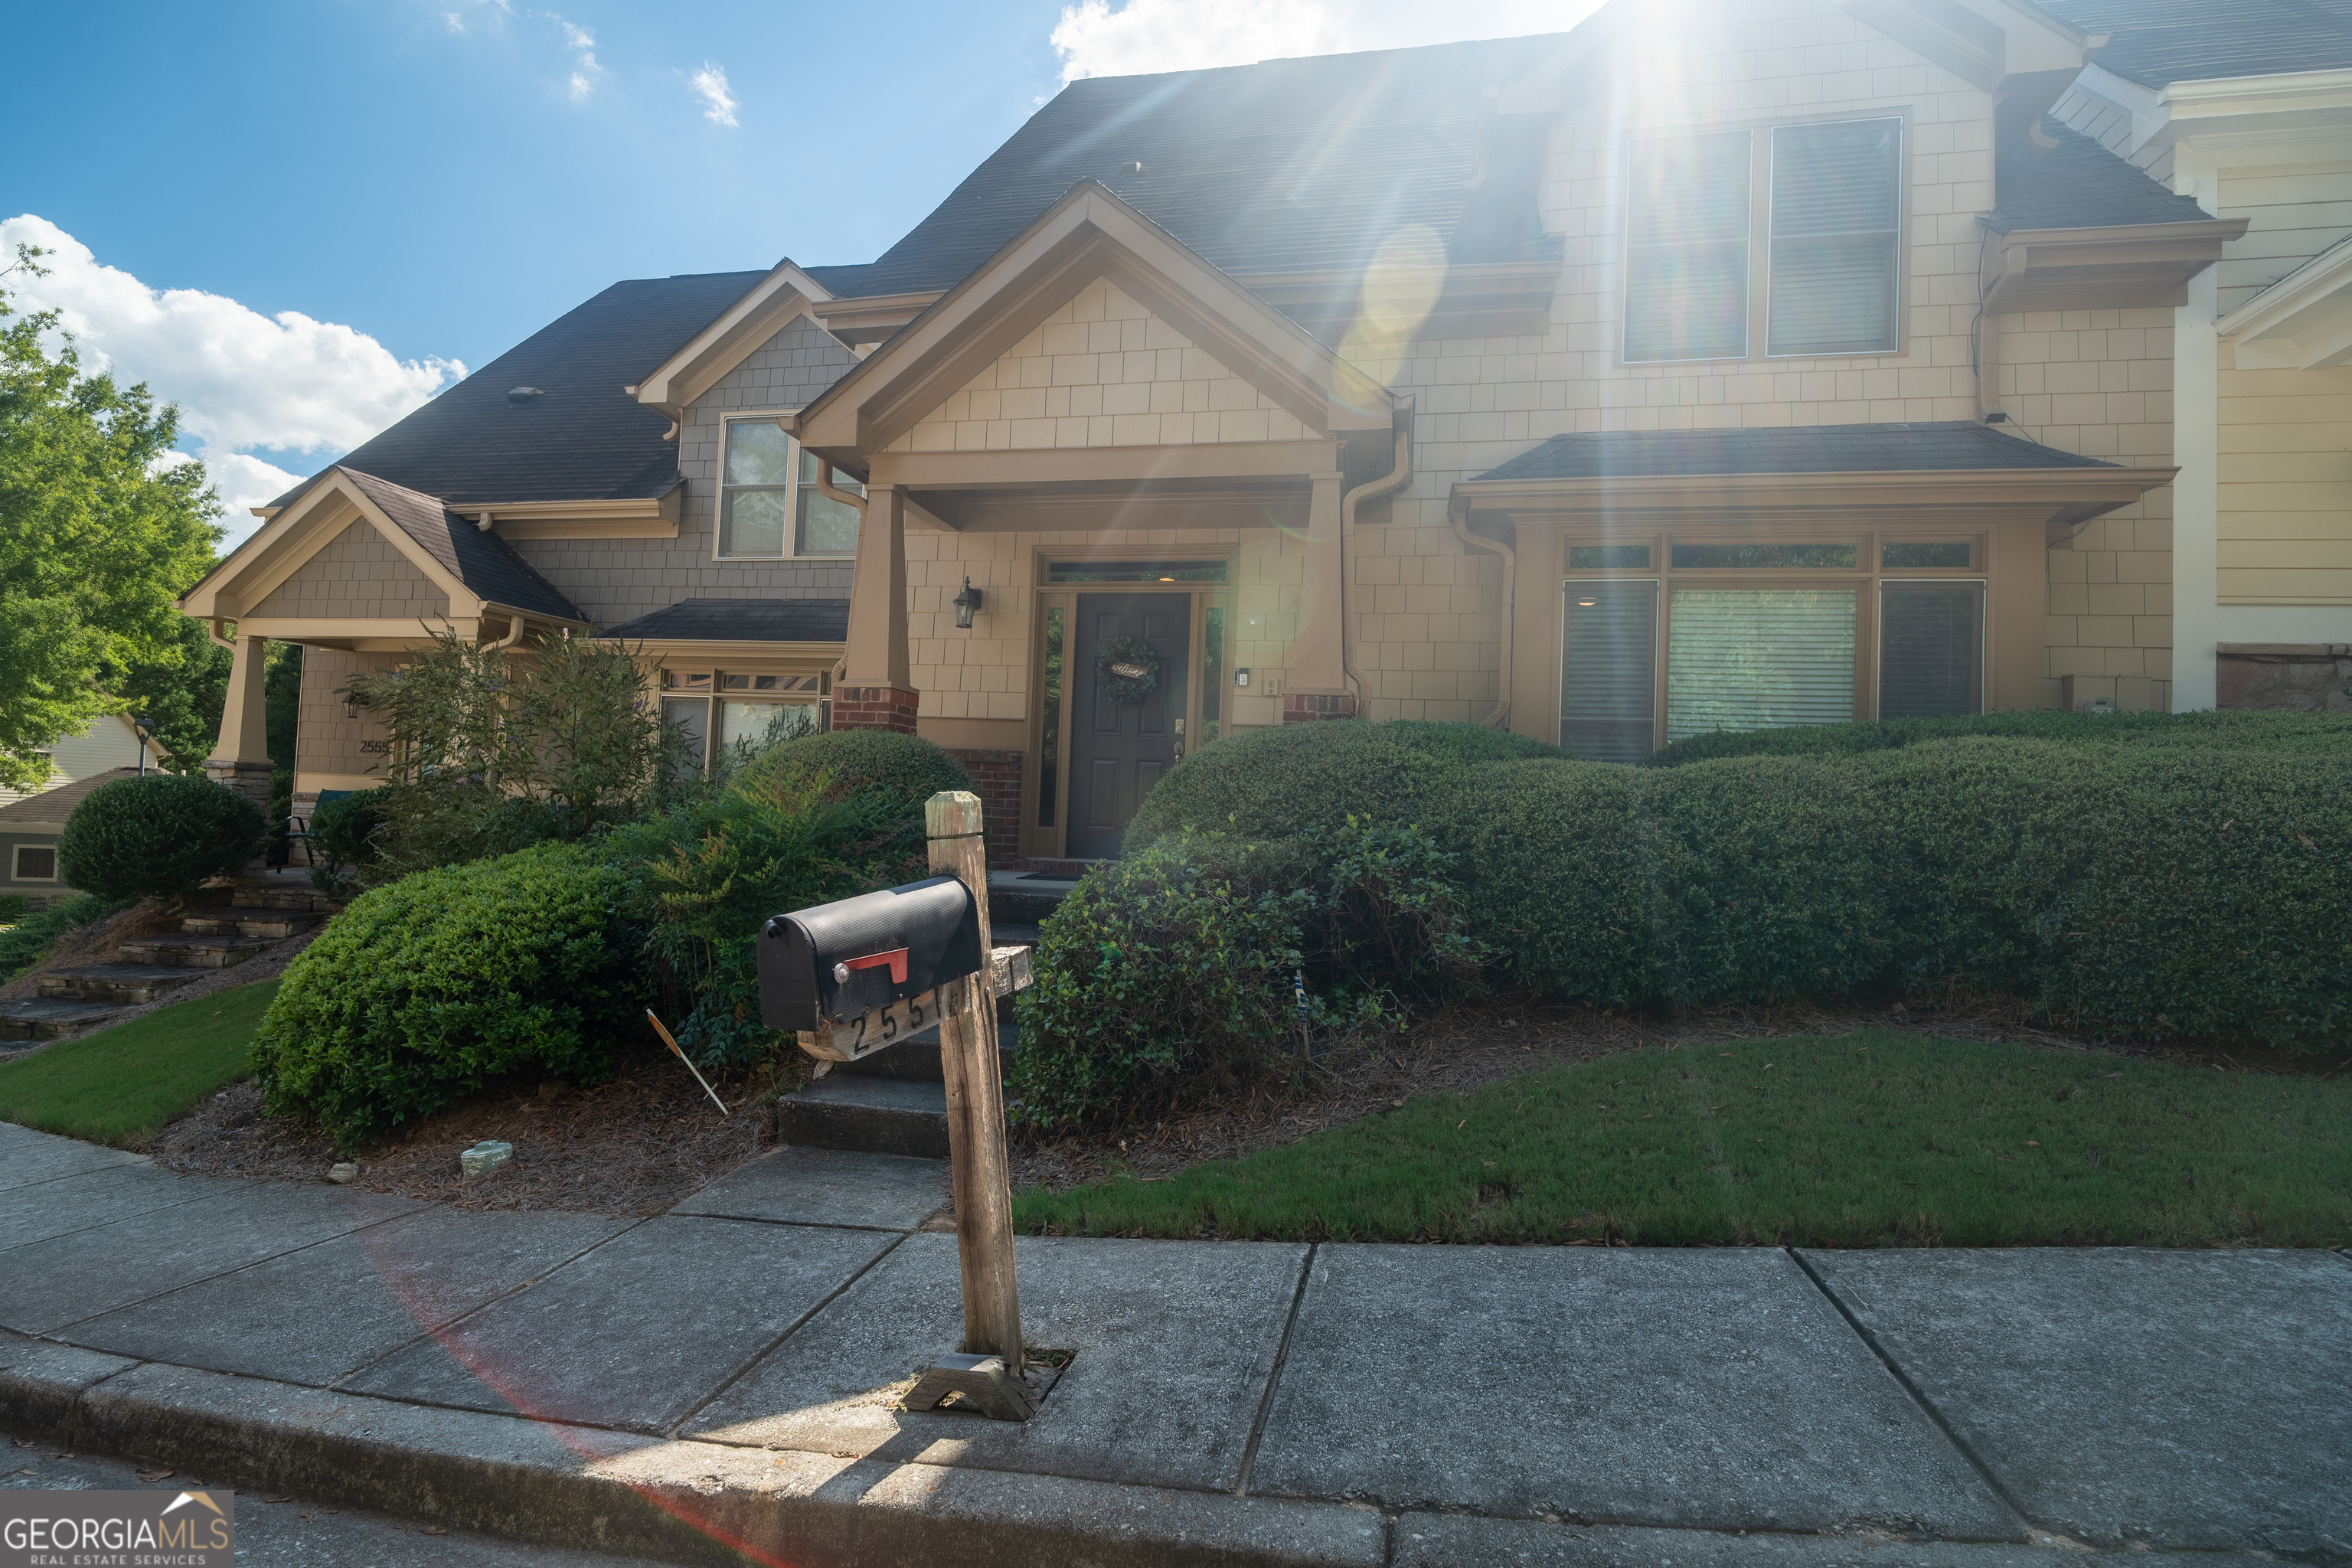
point(1127, 669)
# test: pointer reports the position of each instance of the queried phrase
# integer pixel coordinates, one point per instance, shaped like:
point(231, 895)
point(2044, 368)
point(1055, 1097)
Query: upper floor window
point(770, 506)
point(1817, 256)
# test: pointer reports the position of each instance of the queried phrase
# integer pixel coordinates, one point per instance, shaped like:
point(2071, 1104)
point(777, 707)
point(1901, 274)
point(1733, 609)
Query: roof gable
point(1089, 234)
point(767, 308)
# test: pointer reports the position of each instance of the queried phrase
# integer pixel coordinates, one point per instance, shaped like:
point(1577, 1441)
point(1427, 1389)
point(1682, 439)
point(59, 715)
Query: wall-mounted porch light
point(967, 604)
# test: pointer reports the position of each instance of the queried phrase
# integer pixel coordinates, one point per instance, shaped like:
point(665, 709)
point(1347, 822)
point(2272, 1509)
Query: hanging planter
point(1127, 669)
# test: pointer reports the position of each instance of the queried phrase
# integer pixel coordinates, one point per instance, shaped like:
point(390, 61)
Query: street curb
point(683, 1501)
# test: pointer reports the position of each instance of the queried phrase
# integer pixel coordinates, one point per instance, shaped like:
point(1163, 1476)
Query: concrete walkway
point(722, 1374)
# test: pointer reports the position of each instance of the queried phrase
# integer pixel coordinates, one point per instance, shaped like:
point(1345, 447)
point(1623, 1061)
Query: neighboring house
point(1610, 385)
point(30, 822)
point(2247, 110)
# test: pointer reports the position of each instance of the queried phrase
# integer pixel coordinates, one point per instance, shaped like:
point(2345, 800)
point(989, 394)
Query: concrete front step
point(50, 1017)
point(270, 924)
point(879, 1115)
point(126, 983)
point(193, 952)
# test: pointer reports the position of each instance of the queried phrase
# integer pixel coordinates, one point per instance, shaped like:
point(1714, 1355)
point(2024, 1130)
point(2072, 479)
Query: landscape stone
point(2134, 1395)
point(827, 1186)
point(485, 1156)
point(638, 1332)
point(1175, 1342)
point(1715, 1389)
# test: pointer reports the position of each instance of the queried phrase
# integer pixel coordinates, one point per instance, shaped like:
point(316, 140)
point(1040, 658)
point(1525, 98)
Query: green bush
point(162, 836)
point(27, 941)
point(903, 769)
point(1173, 973)
point(1278, 783)
point(346, 836)
point(714, 870)
point(424, 991)
point(2266, 730)
point(14, 907)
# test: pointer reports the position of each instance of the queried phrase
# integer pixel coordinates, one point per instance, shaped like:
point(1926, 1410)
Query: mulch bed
point(635, 1143)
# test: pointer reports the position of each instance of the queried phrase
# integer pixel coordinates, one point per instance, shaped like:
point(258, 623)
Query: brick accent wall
point(873, 707)
point(1304, 708)
point(996, 779)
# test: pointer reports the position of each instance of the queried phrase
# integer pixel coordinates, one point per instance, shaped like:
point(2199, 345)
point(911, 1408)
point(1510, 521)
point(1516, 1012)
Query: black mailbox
point(837, 962)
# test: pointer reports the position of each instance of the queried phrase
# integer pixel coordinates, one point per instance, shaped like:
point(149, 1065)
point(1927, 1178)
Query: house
point(30, 821)
point(1716, 362)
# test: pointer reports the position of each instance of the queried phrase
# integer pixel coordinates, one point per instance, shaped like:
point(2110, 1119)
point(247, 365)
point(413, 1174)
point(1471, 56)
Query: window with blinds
point(1608, 672)
point(1686, 248)
point(1757, 658)
point(1931, 649)
point(1836, 218)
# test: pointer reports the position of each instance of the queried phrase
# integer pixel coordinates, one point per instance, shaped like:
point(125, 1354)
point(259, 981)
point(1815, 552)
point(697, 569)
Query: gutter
point(1399, 474)
point(1458, 514)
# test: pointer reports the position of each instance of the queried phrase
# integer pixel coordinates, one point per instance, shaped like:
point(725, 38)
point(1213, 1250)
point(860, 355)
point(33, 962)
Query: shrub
point(346, 835)
point(422, 992)
point(28, 942)
point(14, 907)
point(715, 869)
point(1174, 973)
point(2267, 731)
point(903, 771)
point(160, 836)
point(1278, 783)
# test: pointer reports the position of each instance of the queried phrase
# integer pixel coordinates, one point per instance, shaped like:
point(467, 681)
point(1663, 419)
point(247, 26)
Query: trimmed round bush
point(1279, 783)
point(906, 768)
point(162, 836)
point(344, 831)
point(424, 991)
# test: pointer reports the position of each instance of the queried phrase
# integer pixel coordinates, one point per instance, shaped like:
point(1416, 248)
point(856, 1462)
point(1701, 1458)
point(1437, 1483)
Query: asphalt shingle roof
point(1285, 165)
point(57, 805)
point(741, 620)
point(584, 440)
point(2155, 42)
point(486, 563)
point(2078, 185)
point(1797, 449)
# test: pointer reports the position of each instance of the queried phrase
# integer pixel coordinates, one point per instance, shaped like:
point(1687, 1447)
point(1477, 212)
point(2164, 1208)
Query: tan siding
point(2293, 215)
point(358, 575)
point(2285, 491)
point(325, 740)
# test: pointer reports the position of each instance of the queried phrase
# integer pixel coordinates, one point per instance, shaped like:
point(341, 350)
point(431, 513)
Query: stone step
point(1019, 900)
point(877, 1115)
point(306, 900)
point(50, 1017)
point(269, 924)
point(126, 983)
point(915, 1058)
point(193, 951)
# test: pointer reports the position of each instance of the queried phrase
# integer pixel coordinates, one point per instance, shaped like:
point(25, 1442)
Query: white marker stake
point(713, 1093)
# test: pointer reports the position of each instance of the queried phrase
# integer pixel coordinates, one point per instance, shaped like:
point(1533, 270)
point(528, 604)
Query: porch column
point(241, 759)
point(878, 689)
point(1315, 684)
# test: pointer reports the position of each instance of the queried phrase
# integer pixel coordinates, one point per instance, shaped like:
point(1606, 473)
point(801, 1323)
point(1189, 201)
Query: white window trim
point(792, 487)
point(16, 863)
point(1760, 223)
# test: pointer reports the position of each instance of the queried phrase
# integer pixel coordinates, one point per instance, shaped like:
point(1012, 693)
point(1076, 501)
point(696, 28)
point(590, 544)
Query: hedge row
point(2269, 730)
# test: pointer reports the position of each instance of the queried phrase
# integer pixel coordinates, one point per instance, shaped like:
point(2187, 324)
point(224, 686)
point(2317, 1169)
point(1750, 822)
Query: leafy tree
point(180, 696)
point(98, 537)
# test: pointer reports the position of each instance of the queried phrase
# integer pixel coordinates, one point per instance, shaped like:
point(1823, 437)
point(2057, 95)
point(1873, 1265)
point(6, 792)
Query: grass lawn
point(1869, 1139)
point(122, 1086)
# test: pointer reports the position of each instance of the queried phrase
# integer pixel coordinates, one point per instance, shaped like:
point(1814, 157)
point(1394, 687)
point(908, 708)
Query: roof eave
point(2302, 321)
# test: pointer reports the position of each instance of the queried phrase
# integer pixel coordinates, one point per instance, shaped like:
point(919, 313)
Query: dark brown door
point(1120, 750)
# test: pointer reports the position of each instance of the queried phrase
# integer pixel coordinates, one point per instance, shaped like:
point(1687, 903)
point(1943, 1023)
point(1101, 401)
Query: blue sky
point(299, 220)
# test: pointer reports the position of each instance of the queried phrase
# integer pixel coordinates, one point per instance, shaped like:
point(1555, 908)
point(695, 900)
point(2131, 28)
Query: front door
point(1120, 750)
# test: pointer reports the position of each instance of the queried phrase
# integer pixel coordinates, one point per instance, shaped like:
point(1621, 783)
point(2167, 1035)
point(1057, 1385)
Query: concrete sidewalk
point(721, 1376)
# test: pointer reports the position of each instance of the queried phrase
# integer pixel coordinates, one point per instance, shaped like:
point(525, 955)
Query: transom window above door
point(771, 506)
point(1800, 224)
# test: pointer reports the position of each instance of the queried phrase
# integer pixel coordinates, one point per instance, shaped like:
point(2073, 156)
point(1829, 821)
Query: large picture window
point(1836, 216)
point(1758, 659)
point(723, 711)
point(770, 504)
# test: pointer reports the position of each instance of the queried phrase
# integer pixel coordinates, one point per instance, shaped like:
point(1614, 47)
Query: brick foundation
point(996, 779)
point(2300, 677)
point(873, 707)
point(1305, 707)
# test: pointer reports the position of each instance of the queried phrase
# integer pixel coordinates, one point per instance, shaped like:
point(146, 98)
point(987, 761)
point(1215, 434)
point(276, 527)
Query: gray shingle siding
point(618, 580)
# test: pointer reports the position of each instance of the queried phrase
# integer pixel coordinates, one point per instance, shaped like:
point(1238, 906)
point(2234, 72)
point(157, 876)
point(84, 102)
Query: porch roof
point(1792, 449)
point(2078, 184)
point(741, 620)
point(486, 564)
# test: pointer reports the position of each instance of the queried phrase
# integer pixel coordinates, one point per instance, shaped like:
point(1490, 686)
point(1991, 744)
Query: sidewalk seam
point(1274, 1374)
point(677, 1426)
point(1919, 1395)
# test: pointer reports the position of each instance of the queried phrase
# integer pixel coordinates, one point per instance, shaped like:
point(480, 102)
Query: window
point(1836, 216)
point(1930, 660)
point(1145, 571)
point(1686, 248)
point(1758, 659)
point(36, 864)
point(1608, 707)
point(1820, 255)
point(720, 711)
point(769, 503)
point(1609, 558)
point(1923, 556)
point(1050, 768)
point(1769, 557)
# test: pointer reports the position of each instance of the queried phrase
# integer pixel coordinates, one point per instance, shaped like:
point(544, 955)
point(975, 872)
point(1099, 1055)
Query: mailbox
point(837, 962)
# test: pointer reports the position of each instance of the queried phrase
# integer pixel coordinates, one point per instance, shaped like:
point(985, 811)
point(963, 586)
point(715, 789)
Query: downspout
point(1459, 514)
point(513, 635)
point(1393, 480)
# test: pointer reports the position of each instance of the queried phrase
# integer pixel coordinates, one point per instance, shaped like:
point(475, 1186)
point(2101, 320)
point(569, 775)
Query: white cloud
point(586, 72)
point(709, 85)
point(1147, 35)
point(243, 380)
point(576, 37)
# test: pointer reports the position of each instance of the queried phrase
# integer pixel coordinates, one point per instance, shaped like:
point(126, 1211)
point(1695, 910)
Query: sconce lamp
point(966, 603)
